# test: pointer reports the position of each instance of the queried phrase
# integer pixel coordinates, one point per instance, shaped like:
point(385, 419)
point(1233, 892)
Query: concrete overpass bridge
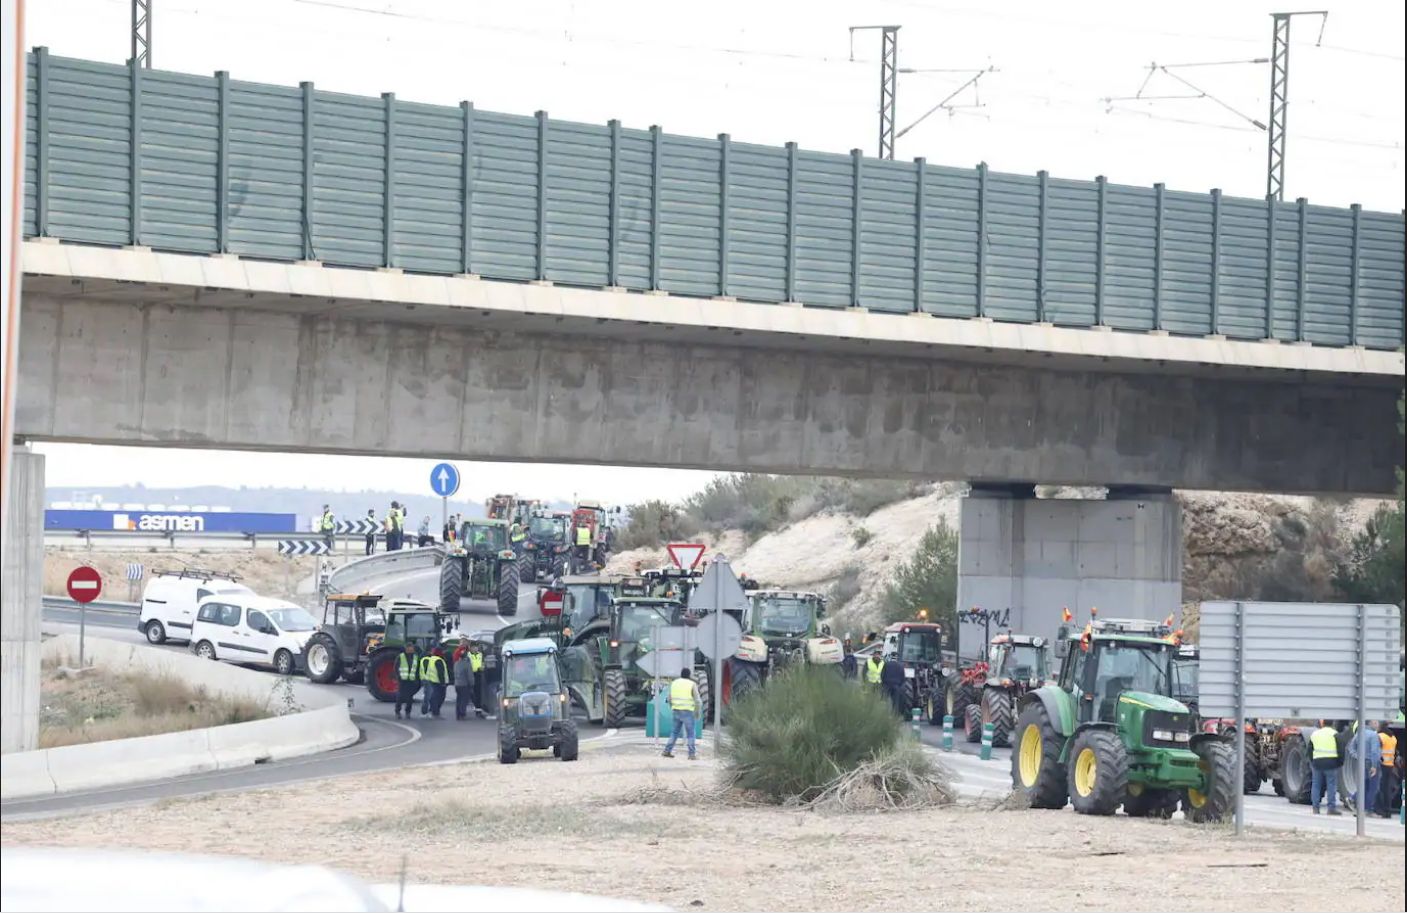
point(214, 263)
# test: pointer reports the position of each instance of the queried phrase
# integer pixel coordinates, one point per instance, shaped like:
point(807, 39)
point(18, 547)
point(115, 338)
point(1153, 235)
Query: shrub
point(752, 502)
point(861, 535)
point(654, 523)
point(808, 726)
point(927, 580)
point(846, 588)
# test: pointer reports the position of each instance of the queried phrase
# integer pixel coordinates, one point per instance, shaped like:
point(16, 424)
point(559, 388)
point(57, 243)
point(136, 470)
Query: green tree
point(1374, 570)
point(928, 580)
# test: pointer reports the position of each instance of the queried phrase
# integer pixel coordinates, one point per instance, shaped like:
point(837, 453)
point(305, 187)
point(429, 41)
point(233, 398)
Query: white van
point(170, 599)
point(244, 628)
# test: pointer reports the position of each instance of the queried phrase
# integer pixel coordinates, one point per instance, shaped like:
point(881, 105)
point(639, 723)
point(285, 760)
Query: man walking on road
point(327, 525)
point(1324, 763)
point(463, 682)
point(371, 535)
point(407, 680)
point(685, 701)
point(434, 676)
point(1365, 744)
point(424, 533)
point(476, 669)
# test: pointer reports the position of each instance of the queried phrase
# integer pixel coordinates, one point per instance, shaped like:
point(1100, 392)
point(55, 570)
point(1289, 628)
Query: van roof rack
point(196, 573)
point(1144, 626)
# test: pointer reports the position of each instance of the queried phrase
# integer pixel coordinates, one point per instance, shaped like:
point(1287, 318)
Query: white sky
point(770, 72)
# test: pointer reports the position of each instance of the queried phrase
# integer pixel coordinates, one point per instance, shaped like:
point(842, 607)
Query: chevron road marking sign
point(292, 547)
point(361, 527)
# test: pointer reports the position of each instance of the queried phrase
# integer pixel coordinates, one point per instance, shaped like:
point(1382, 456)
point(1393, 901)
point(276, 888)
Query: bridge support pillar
point(21, 604)
point(1122, 555)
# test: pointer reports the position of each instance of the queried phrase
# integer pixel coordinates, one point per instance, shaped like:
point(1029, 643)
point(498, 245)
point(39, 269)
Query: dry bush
point(902, 777)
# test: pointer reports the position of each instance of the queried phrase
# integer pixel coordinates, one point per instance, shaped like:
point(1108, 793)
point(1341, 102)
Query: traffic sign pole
point(84, 585)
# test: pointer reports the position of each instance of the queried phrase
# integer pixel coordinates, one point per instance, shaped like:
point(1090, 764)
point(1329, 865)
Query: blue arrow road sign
point(444, 479)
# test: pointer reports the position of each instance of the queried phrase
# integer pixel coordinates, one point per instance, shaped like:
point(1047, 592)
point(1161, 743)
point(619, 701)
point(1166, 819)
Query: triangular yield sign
point(685, 555)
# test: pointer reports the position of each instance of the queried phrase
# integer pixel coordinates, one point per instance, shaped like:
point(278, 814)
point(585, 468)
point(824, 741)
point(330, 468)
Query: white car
point(245, 628)
point(170, 598)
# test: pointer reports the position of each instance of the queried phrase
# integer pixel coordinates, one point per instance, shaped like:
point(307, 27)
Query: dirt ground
point(543, 823)
point(265, 572)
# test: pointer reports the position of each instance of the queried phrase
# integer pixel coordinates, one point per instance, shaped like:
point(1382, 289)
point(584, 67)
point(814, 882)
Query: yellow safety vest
point(476, 662)
point(517, 534)
point(406, 668)
point(327, 524)
point(583, 535)
point(1389, 748)
point(432, 670)
point(873, 670)
point(1325, 743)
point(681, 694)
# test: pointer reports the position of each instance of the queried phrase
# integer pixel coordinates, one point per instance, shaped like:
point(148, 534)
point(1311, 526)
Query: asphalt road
point(386, 743)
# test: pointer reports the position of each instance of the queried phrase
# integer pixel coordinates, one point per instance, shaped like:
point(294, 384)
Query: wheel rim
point(1135, 789)
point(386, 677)
point(205, 651)
point(154, 632)
point(929, 708)
point(317, 659)
point(1086, 772)
point(1196, 798)
point(283, 662)
point(1030, 755)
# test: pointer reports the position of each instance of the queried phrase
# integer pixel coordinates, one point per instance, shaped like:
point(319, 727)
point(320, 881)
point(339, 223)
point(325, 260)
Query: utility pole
point(1280, 96)
point(141, 32)
point(888, 81)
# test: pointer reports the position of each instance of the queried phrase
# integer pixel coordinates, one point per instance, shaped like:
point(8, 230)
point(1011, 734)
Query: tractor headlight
point(1163, 735)
point(1183, 736)
point(506, 703)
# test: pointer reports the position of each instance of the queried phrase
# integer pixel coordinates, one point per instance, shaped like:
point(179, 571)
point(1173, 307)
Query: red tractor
point(591, 537)
point(1015, 664)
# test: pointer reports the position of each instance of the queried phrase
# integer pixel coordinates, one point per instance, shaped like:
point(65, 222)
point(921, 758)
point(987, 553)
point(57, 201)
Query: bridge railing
point(208, 164)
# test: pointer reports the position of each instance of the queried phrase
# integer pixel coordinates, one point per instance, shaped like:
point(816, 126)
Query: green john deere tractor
point(361, 636)
point(783, 628)
point(480, 565)
point(600, 662)
point(1110, 734)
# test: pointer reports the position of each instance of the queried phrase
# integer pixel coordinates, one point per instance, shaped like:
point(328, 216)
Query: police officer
point(327, 525)
point(684, 701)
point(434, 675)
point(407, 680)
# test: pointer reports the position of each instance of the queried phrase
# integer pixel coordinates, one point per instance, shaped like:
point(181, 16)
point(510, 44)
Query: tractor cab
point(535, 708)
point(913, 643)
point(671, 583)
point(633, 621)
point(1018, 658)
point(484, 537)
point(351, 620)
point(1116, 658)
point(1185, 675)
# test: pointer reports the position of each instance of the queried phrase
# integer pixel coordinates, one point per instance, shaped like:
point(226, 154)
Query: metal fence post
point(467, 188)
point(1216, 261)
point(41, 142)
point(791, 222)
point(309, 252)
point(857, 158)
point(613, 231)
point(1158, 214)
point(1043, 183)
point(656, 173)
point(388, 202)
point(1353, 275)
point(1101, 184)
point(222, 162)
point(982, 239)
point(541, 194)
point(1270, 242)
point(920, 171)
point(724, 149)
point(1303, 205)
point(1240, 673)
point(1361, 699)
point(134, 137)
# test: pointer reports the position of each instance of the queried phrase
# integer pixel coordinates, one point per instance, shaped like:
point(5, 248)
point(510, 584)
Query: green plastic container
point(659, 720)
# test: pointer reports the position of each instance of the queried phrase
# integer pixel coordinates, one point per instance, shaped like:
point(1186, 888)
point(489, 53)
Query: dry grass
point(900, 779)
point(98, 705)
point(463, 819)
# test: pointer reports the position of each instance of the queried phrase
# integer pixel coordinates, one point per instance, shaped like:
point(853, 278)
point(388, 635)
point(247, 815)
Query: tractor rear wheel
point(1251, 774)
point(1147, 802)
point(703, 677)
point(1219, 764)
point(1099, 772)
point(569, 748)
point(1036, 770)
point(957, 696)
point(559, 566)
point(613, 690)
point(382, 680)
point(746, 677)
point(451, 583)
point(996, 709)
point(933, 708)
point(1294, 769)
point(527, 568)
point(508, 588)
point(323, 659)
point(972, 722)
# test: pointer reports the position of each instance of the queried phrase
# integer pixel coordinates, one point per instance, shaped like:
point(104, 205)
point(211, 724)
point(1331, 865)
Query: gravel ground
point(542, 823)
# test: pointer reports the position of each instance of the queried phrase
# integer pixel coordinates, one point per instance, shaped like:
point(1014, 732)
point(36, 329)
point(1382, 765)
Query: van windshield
point(293, 619)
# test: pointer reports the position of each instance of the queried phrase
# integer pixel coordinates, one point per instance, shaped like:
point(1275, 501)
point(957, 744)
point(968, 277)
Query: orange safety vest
point(1389, 743)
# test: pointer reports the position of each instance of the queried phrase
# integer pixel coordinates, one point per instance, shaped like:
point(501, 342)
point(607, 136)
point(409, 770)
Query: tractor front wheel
point(322, 658)
point(613, 690)
point(451, 583)
point(1218, 798)
point(1036, 770)
point(996, 709)
point(746, 677)
point(507, 747)
point(1147, 802)
point(972, 723)
point(956, 697)
point(1099, 772)
point(704, 679)
point(382, 679)
point(508, 588)
point(569, 748)
point(1295, 770)
point(1251, 774)
point(527, 568)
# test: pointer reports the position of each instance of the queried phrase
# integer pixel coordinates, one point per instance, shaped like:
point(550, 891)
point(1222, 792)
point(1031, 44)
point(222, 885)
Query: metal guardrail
point(63, 602)
point(352, 575)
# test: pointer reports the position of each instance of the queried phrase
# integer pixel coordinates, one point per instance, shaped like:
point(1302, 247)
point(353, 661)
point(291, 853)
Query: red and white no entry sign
point(84, 584)
point(685, 555)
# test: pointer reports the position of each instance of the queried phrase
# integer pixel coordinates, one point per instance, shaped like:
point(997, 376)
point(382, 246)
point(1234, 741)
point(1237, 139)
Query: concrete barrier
point(324, 727)
point(353, 576)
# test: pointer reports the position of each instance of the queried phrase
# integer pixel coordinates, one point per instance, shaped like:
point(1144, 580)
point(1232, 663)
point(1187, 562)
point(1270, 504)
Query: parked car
point(245, 628)
point(170, 599)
